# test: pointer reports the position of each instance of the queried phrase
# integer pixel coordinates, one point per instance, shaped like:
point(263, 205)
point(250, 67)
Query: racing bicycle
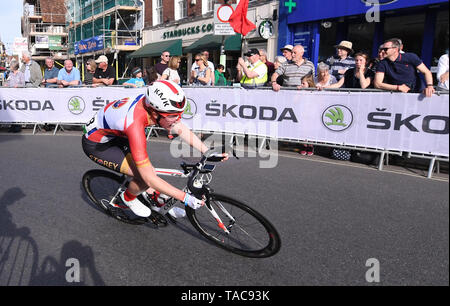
point(227, 222)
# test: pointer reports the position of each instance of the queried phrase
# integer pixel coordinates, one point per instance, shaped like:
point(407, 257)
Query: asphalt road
point(332, 219)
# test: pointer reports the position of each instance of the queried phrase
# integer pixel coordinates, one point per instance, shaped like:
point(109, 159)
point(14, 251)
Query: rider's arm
point(138, 147)
point(148, 175)
point(190, 138)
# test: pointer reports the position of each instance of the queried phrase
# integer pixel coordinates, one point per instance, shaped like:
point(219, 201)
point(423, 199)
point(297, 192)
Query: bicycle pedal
point(158, 219)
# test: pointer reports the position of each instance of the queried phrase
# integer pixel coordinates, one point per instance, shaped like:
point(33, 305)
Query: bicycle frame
point(177, 173)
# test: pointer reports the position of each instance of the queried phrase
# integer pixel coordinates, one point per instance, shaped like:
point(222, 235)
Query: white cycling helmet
point(166, 97)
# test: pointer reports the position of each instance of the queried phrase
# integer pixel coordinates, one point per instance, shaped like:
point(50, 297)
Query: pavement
point(335, 220)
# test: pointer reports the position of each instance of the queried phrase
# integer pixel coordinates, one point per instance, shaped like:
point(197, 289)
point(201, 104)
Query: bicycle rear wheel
point(251, 234)
point(101, 186)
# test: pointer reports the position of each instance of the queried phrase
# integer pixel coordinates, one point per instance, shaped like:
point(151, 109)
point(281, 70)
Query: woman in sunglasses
point(115, 138)
point(201, 75)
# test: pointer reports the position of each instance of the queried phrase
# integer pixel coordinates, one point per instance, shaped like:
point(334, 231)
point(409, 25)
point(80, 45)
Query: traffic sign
point(222, 13)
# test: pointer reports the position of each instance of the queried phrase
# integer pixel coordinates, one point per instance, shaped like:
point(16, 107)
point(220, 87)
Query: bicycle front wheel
point(250, 233)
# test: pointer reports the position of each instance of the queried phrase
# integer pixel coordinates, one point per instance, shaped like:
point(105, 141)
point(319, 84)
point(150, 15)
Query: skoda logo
point(190, 110)
point(378, 2)
point(76, 105)
point(337, 118)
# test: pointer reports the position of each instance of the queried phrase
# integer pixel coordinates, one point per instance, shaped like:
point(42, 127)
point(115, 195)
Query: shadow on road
point(19, 255)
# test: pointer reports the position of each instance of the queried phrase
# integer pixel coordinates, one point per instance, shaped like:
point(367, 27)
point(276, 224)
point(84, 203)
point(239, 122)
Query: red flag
point(238, 20)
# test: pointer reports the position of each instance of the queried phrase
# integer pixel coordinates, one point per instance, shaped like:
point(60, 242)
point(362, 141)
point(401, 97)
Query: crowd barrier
point(370, 120)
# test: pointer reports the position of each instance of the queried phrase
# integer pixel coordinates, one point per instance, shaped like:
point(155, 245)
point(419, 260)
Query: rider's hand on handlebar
point(218, 157)
point(193, 202)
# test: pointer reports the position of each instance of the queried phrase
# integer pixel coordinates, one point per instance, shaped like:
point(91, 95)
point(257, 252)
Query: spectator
point(69, 75)
point(324, 78)
point(294, 72)
point(255, 73)
point(374, 62)
point(163, 64)
point(201, 76)
point(287, 52)
point(50, 73)
point(359, 77)
point(171, 72)
point(104, 74)
point(397, 72)
point(219, 76)
point(31, 70)
point(137, 81)
point(91, 66)
point(270, 65)
point(150, 75)
point(279, 60)
point(210, 65)
point(442, 73)
point(307, 82)
point(343, 61)
point(400, 43)
point(15, 78)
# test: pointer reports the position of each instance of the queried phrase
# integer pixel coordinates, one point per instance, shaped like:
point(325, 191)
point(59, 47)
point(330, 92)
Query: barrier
point(377, 121)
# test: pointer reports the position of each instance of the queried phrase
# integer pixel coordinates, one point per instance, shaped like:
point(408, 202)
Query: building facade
point(319, 25)
point(43, 24)
point(186, 27)
point(104, 27)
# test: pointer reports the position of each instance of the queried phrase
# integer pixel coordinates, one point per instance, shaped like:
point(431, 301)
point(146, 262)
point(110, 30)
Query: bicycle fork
point(216, 216)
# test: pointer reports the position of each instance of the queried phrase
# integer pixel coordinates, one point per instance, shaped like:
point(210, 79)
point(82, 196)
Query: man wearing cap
point(287, 52)
point(343, 61)
point(252, 75)
point(104, 74)
point(137, 81)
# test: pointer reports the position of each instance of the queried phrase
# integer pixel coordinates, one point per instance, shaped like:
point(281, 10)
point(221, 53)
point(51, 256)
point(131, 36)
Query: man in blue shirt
point(69, 75)
point(398, 71)
point(50, 73)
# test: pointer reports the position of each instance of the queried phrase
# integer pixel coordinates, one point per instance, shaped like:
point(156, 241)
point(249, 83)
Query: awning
point(155, 49)
point(232, 43)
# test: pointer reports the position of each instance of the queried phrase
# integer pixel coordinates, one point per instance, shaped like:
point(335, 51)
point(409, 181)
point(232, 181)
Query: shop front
point(198, 35)
point(319, 25)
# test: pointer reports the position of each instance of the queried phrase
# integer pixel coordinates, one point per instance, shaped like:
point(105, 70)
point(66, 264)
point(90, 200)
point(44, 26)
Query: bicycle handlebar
point(212, 156)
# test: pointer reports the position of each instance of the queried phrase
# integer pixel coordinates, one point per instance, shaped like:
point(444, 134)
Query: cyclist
point(115, 138)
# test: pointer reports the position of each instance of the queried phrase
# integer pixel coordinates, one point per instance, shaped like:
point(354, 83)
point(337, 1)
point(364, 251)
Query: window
point(180, 9)
point(409, 29)
point(207, 6)
point(361, 35)
point(157, 11)
point(440, 37)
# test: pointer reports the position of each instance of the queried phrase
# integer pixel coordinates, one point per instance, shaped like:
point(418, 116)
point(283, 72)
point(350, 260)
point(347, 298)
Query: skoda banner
point(378, 120)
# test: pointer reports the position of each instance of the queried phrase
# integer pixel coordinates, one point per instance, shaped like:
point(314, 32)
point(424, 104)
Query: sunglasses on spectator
point(198, 59)
point(385, 49)
point(166, 55)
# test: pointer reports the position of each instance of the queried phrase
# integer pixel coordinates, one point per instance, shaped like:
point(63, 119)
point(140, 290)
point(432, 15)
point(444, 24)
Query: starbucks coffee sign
point(205, 28)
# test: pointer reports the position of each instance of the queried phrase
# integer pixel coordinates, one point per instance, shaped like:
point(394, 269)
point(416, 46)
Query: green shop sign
point(189, 31)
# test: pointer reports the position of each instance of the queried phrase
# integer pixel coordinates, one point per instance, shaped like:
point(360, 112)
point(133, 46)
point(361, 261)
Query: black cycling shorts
point(114, 155)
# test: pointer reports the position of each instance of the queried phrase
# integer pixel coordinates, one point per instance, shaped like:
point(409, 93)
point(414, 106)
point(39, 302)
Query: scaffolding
point(43, 23)
point(117, 24)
